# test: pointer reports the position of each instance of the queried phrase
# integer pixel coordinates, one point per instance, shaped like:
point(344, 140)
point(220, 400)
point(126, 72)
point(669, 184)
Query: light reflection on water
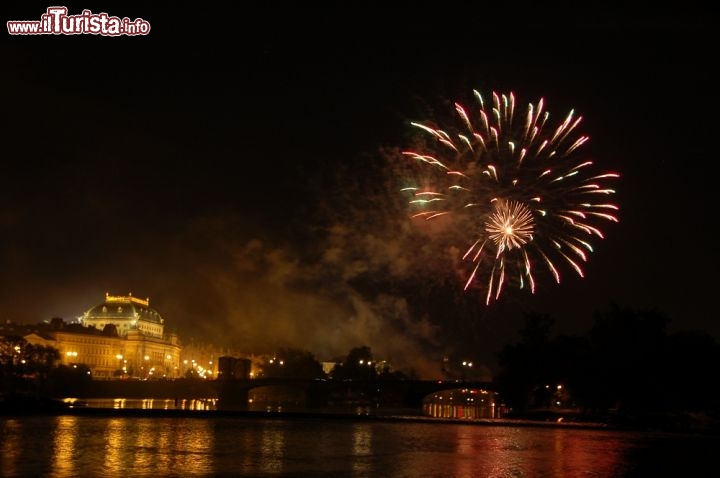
point(65, 446)
point(147, 403)
point(192, 446)
point(272, 448)
point(362, 448)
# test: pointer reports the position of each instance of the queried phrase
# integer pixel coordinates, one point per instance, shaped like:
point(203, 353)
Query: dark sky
point(228, 165)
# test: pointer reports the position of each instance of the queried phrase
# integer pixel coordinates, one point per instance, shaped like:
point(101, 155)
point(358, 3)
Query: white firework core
point(510, 226)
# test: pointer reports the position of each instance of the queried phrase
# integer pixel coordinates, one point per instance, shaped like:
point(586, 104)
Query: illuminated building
point(128, 314)
point(121, 338)
point(464, 403)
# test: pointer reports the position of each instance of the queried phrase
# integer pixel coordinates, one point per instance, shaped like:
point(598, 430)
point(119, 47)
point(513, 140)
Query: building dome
point(124, 307)
point(126, 313)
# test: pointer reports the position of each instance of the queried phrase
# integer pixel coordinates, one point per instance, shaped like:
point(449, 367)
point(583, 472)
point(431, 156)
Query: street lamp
point(466, 365)
point(369, 365)
point(120, 358)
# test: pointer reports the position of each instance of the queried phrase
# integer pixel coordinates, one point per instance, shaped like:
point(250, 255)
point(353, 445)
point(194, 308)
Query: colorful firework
point(520, 191)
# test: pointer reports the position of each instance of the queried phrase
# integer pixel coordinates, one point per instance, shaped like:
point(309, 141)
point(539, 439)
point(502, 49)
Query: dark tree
point(693, 385)
point(40, 359)
point(358, 365)
point(523, 366)
point(628, 360)
point(293, 363)
point(9, 350)
point(110, 330)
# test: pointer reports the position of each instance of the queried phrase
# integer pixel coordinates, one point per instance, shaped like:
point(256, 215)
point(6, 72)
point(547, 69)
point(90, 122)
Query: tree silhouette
point(524, 366)
point(625, 366)
point(358, 365)
point(293, 363)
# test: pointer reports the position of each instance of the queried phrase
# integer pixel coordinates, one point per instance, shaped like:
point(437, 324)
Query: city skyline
point(248, 193)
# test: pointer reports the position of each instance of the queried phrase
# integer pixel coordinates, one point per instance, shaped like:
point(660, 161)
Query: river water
point(258, 446)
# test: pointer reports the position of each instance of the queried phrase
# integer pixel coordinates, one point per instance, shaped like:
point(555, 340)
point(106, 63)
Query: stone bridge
point(233, 394)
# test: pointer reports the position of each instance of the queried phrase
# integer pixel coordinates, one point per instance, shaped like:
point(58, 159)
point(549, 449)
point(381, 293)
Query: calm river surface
point(133, 446)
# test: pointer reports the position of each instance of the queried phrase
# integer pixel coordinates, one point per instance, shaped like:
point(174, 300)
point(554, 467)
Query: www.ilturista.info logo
point(56, 21)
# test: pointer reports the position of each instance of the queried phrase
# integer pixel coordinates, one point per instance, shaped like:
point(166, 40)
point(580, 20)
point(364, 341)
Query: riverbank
point(408, 416)
point(679, 423)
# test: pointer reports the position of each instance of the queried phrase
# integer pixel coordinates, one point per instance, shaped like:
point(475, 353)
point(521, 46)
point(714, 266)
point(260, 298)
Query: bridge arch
point(434, 398)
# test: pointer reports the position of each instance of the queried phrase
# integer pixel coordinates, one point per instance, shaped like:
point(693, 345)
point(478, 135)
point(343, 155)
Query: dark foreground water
point(135, 446)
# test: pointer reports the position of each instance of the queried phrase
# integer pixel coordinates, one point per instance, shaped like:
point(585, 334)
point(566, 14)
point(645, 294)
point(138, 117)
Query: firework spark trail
point(519, 189)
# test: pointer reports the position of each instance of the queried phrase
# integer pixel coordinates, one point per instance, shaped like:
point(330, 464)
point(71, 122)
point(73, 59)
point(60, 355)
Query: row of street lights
point(146, 370)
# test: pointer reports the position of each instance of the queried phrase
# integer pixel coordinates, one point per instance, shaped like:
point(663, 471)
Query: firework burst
point(524, 198)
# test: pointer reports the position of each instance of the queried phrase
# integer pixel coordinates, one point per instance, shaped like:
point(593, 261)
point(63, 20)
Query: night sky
point(230, 165)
